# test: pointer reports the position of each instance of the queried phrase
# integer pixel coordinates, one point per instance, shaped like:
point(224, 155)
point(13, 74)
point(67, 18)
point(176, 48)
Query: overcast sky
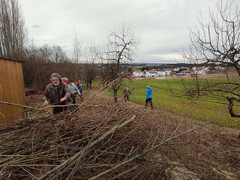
point(162, 26)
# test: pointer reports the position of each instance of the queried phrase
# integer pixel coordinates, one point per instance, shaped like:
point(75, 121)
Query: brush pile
point(89, 142)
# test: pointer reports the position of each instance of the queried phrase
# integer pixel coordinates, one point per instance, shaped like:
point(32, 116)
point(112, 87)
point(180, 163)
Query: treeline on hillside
point(41, 62)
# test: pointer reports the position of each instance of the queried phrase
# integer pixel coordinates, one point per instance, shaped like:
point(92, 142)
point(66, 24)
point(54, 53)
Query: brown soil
point(209, 152)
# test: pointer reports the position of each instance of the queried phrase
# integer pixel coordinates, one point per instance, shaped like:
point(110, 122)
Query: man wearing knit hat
point(149, 97)
point(57, 92)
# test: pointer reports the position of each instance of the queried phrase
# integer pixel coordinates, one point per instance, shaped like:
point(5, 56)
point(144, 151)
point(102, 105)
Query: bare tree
point(59, 56)
point(121, 48)
point(77, 53)
point(46, 53)
point(12, 30)
point(217, 42)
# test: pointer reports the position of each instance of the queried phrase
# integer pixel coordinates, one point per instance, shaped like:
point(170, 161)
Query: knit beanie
point(65, 80)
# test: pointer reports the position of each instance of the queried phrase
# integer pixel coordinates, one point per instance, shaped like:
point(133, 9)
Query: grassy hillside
point(167, 95)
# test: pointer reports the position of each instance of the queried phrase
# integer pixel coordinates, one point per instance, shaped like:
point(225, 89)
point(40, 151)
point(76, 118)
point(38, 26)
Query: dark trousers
point(126, 97)
point(150, 102)
point(80, 93)
point(73, 96)
point(57, 110)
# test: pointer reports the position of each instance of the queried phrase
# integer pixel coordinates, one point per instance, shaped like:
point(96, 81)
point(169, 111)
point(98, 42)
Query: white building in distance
point(138, 74)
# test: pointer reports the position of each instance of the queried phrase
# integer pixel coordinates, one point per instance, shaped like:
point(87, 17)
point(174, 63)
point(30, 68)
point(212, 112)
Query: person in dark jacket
point(149, 96)
point(126, 93)
point(57, 92)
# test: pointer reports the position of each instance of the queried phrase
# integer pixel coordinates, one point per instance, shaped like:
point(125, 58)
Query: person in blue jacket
point(79, 86)
point(149, 96)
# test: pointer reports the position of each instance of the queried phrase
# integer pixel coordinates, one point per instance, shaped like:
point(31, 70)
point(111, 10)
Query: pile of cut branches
point(88, 142)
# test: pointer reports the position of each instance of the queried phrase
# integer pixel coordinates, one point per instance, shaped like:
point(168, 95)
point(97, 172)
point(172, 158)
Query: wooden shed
point(11, 90)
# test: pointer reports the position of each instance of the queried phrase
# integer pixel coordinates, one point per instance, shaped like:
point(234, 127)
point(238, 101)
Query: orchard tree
point(121, 48)
point(217, 42)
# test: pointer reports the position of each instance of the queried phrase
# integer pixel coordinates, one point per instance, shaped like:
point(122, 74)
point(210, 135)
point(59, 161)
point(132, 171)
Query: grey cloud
point(35, 26)
point(162, 25)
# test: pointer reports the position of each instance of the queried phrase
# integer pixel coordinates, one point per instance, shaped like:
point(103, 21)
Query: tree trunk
point(115, 90)
point(90, 83)
point(86, 84)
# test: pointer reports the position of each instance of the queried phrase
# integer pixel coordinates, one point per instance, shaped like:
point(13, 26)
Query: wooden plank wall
point(11, 90)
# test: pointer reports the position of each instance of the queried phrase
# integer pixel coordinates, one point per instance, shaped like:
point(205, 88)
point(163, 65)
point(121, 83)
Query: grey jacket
point(55, 93)
point(73, 88)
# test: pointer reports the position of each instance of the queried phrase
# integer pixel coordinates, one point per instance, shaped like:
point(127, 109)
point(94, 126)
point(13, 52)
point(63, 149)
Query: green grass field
point(167, 95)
